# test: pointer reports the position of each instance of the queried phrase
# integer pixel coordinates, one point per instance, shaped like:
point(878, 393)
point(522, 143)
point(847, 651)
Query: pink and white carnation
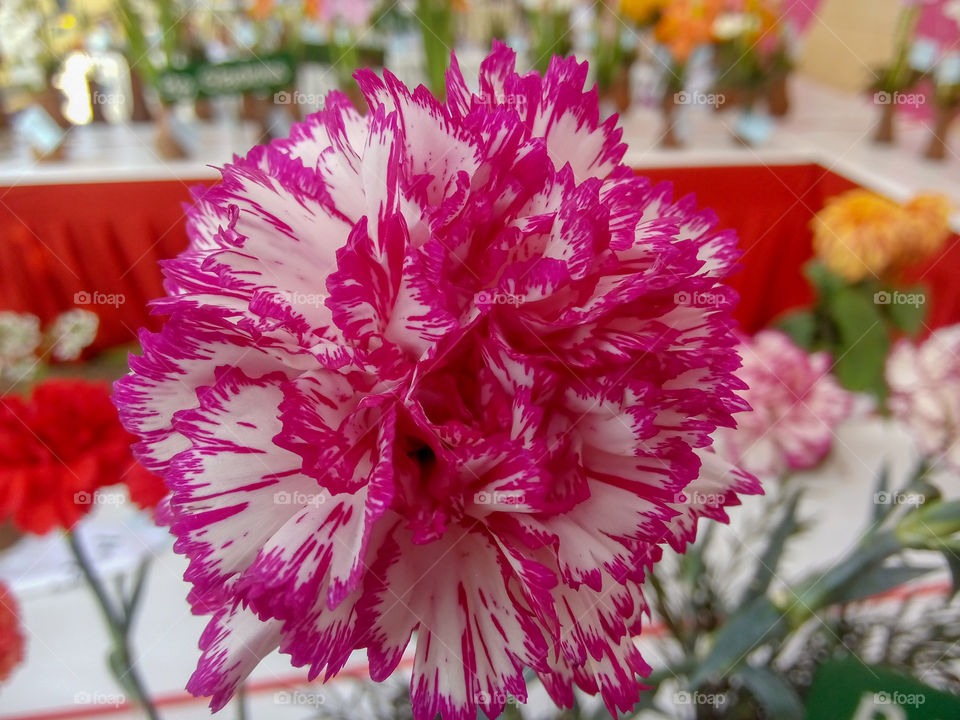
point(924, 383)
point(425, 373)
point(796, 407)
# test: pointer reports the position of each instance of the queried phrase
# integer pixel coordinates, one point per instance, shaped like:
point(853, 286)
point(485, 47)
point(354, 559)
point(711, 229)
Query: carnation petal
point(233, 644)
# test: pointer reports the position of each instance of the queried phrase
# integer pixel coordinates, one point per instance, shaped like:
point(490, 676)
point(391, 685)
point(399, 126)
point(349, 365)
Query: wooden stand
point(884, 134)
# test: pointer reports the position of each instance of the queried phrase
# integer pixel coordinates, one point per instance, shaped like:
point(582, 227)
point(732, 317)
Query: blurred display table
point(100, 221)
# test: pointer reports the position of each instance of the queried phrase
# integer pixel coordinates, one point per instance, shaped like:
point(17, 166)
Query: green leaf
point(908, 309)
point(138, 45)
point(881, 509)
point(920, 485)
point(823, 280)
point(767, 563)
point(120, 669)
point(953, 561)
point(800, 326)
point(820, 589)
point(878, 580)
point(772, 692)
point(863, 342)
point(930, 525)
point(691, 562)
point(743, 631)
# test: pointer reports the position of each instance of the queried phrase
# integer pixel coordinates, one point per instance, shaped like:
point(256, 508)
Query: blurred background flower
point(860, 234)
point(685, 25)
point(924, 381)
point(58, 446)
point(12, 641)
point(72, 332)
point(643, 12)
point(796, 407)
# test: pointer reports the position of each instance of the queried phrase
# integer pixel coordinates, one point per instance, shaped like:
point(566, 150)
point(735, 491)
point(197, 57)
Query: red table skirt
point(101, 243)
point(94, 246)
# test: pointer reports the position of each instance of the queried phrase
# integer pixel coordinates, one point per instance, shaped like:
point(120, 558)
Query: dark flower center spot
point(425, 457)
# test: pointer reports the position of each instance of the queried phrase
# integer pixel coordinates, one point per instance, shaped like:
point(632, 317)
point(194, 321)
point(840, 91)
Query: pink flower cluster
point(924, 385)
point(796, 402)
point(426, 372)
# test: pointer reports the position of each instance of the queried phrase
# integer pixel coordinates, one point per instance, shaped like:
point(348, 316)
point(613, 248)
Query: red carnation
point(11, 637)
point(57, 447)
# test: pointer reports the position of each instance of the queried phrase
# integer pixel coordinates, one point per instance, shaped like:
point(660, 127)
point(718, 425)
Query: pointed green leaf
point(819, 590)
point(879, 580)
point(772, 692)
point(881, 491)
point(767, 563)
point(755, 623)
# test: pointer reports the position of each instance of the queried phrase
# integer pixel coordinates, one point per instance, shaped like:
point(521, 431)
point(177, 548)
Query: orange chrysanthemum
point(685, 25)
point(860, 234)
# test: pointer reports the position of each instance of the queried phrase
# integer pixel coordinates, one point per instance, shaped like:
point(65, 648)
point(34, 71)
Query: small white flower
point(19, 336)
point(71, 332)
point(20, 371)
point(734, 24)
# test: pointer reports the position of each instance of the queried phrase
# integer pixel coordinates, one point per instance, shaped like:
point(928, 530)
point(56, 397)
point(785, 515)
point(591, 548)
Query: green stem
point(436, 27)
point(242, 702)
point(343, 55)
point(511, 712)
point(896, 76)
point(118, 626)
point(666, 616)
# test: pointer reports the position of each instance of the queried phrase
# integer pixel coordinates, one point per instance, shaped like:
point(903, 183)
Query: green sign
point(268, 73)
point(367, 56)
point(849, 690)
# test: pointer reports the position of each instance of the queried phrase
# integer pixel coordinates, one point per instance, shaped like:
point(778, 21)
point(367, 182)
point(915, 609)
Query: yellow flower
point(642, 12)
point(860, 234)
point(931, 213)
